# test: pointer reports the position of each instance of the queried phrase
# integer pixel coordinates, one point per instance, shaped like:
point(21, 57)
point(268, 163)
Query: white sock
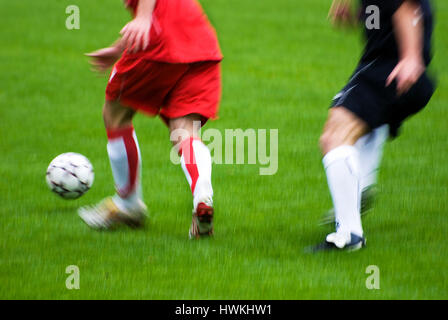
point(196, 163)
point(370, 148)
point(125, 160)
point(342, 168)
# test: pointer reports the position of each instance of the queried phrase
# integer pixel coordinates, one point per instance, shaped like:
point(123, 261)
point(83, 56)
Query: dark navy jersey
point(381, 41)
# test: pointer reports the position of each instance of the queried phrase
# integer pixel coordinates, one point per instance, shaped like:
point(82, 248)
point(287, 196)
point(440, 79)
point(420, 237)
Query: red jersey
point(180, 33)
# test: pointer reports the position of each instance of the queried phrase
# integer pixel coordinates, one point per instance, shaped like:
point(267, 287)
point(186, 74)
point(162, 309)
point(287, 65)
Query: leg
point(342, 165)
point(197, 165)
point(195, 157)
point(195, 96)
point(124, 155)
point(370, 149)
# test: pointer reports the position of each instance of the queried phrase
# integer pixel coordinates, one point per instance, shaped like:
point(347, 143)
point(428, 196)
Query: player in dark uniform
point(389, 85)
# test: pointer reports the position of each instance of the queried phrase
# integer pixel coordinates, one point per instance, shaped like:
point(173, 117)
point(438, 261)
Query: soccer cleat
point(335, 241)
point(367, 200)
point(107, 215)
point(202, 224)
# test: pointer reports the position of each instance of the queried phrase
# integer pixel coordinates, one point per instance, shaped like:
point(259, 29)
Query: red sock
point(188, 162)
point(124, 155)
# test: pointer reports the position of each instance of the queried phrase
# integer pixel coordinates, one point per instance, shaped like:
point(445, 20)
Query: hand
point(341, 13)
point(105, 58)
point(136, 34)
point(406, 73)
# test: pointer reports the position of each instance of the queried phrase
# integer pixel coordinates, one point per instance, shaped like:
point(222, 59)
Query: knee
point(326, 142)
point(342, 128)
point(116, 116)
point(184, 128)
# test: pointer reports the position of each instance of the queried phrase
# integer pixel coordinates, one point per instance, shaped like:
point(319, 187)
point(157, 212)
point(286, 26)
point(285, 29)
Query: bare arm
point(135, 34)
point(101, 60)
point(408, 26)
point(341, 13)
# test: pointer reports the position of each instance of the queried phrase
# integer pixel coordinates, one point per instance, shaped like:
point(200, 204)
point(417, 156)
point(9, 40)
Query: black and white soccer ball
point(70, 175)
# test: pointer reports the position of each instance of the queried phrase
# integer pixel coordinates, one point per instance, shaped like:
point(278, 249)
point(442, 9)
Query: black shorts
point(367, 96)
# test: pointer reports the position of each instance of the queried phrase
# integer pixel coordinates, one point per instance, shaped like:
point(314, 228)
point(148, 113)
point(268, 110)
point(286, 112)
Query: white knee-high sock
point(370, 148)
point(196, 163)
point(125, 161)
point(342, 169)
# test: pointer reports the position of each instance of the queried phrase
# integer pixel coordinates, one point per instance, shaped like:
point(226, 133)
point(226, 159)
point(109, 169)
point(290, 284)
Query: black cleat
point(356, 243)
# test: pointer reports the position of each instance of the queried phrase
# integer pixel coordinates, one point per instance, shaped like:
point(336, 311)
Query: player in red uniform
point(169, 65)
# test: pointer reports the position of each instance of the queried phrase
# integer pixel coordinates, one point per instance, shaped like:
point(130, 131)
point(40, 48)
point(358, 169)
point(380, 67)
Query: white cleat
point(106, 215)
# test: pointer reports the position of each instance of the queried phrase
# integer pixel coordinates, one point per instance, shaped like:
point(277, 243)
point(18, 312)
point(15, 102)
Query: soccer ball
point(70, 175)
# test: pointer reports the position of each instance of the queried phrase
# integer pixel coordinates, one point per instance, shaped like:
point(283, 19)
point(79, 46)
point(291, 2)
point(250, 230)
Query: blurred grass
point(283, 63)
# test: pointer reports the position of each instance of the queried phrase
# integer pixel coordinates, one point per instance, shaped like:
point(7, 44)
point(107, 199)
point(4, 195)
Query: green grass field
point(283, 64)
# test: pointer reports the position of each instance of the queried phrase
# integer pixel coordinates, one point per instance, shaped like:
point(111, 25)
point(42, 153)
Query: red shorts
point(171, 90)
